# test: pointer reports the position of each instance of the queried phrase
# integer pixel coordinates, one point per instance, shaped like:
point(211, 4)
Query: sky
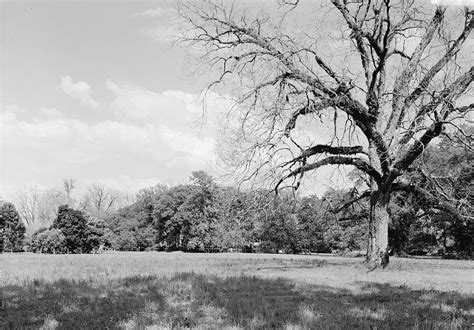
point(95, 91)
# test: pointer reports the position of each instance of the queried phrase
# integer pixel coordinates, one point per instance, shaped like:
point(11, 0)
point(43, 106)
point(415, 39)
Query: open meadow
point(131, 290)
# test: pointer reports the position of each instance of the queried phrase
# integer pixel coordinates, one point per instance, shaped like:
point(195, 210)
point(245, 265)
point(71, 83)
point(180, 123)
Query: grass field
point(177, 290)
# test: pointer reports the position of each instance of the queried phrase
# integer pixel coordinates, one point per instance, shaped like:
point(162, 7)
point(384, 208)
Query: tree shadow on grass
point(190, 300)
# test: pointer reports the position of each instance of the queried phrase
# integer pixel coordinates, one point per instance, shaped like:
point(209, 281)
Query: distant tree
point(28, 201)
point(69, 184)
point(346, 219)
point(12, 230)
point(238, 217)
point(280, 227)
point(145, 238)
point(74, 227)
point(148, 195)
point(100, 201)
point(202, 211)
point(98, 233)
point(174, 212)
point(125, 241)
point(38, 208)
point(48, 241)
point(312, 217)
point(130, 228)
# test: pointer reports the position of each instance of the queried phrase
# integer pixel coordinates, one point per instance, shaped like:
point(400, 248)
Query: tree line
point(204, 216)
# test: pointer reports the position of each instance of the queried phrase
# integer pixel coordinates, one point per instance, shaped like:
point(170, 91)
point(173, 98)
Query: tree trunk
point(377, 249)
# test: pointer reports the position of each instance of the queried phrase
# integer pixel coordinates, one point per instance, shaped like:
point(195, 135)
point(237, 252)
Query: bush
point(48, 241)
point(74, 227)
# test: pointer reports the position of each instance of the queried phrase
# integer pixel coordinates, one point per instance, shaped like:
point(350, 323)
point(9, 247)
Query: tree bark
point(377, 249)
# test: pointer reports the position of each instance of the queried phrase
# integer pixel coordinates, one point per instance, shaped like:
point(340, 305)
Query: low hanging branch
point(322, 148)
point(365, 194)
point(334, 160)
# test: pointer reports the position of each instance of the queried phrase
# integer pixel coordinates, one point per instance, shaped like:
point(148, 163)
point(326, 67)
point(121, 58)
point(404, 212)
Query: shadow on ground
point(191, 300)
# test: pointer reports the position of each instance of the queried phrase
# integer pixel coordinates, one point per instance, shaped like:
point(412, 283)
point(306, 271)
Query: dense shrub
point(48, 241)
point(74, 227)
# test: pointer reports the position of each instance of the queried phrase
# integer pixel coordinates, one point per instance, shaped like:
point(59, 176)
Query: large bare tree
point(395, 72)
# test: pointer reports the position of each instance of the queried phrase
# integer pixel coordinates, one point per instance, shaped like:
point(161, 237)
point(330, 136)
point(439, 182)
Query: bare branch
point(400, 89)
point(464, 108)
point(335, 160)
point(446, 96)
point(430, 200)
point(452, 51)
point(365, 194)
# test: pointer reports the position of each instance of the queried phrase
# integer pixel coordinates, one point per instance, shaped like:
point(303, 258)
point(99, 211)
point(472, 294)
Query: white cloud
point(78, 90)
point(141, 137)
point(10, 108)
point(139, 105)
point(50, 112)
point(163, 33)
point(164, 26)
point(48, 148)
point(187, 145)
point(156, 12)
point(182, 112)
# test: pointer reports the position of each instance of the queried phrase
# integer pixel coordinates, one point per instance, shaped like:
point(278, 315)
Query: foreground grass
point(157, 290)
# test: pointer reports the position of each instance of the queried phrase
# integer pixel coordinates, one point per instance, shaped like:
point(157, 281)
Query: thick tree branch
point(417, 148)
point(361, 118)
point(322, 148)
point(335, 160)
point(307, 109)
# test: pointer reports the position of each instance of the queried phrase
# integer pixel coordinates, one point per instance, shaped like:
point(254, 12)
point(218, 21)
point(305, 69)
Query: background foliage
point(203, 216)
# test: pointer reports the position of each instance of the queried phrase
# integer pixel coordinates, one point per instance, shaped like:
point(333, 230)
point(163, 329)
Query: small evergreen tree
point(12, 230)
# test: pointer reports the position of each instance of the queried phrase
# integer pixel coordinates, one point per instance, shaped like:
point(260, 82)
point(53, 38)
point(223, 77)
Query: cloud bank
point(146, 137)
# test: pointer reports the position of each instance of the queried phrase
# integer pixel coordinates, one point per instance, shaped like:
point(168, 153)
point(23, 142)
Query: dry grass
point(234, 291)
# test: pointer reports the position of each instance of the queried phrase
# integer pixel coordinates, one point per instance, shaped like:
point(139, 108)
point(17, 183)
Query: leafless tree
point(38, 208)
point(69, 184)
point(100, 200)
point(393, 72)
point(27, 202)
